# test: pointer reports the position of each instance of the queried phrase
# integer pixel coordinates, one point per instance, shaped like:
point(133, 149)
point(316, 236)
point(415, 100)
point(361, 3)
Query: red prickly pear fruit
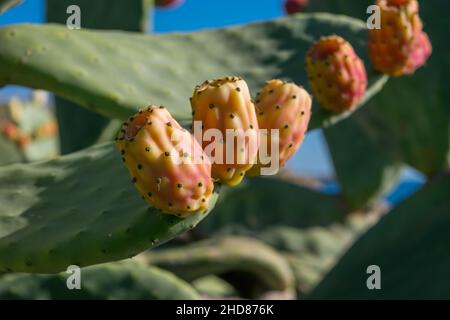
point(166, 163)
point(400, 46)
point(168, 3)
point(336, 74)
point(295, 6)
point(224, 106)
point(286, 107)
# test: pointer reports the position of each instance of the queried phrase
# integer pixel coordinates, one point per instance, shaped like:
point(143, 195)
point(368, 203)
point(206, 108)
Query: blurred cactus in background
point(31, 126)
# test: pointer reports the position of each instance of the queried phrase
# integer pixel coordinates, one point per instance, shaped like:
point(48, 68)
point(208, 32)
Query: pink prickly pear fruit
point(168, 3)
point(225, 106)
point(286, 107)
point(295, 6)
point(420, 52)
point(166, 163)
point(399, 47)
point(336, 74)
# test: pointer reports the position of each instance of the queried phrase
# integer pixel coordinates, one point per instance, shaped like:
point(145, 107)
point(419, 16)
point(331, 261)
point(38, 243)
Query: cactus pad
point(79, 209)
point(163, 69)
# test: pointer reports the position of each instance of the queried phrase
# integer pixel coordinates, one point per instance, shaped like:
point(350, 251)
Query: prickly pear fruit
point(286, 107)
point(168, 3)
point(166, 163)
point(400, 46)
point(421, 51)
point(295, 6)
point(225, 105)
point(337, 75)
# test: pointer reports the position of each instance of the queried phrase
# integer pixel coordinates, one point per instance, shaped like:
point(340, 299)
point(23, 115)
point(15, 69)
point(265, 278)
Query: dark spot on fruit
point(294, 97)
point(147, 149)
point(238, 89)
point(179, 186)
point(232, 116)
point(167, 153)
point(139, 166)
point(134, 180)
point(169, 124)
point(286, 126)
point(123, 159)
point(211, 106)
point(203, 200)
point(251, 126)
point(200, 184)
point(149, 194)
point(170, 204)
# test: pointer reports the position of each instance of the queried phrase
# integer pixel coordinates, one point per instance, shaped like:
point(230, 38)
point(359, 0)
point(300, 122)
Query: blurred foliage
point(251, 266)
point(410, 245)
point(123, 280)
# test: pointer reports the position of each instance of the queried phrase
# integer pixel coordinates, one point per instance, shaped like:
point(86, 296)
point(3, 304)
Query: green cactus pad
point(409, 244)
point(267, 269)
point(79, 209)
point(260, 202)
point(122, 280)
point(113, 73)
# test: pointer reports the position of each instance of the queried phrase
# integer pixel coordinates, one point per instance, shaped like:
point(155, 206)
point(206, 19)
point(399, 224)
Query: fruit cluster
point(175, 170)
point(400, 46)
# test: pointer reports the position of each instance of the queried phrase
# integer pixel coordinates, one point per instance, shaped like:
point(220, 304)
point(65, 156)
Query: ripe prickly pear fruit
point(286, 107)
point(295, 6)
point(400, 46)
point(168, 3)
point(337, 75)
point(225, 105)
point(421, 51)
point(166, 163)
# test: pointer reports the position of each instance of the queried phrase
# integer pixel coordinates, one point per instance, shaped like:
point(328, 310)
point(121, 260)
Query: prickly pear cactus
point(49, 220)
point(336, 74)
point(167, 165)
point(285, 107)
point(119, 280)
point(225, 105)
